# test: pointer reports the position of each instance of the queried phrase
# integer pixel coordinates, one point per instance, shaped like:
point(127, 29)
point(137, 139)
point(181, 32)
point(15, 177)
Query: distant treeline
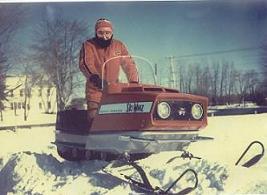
point(221, 82)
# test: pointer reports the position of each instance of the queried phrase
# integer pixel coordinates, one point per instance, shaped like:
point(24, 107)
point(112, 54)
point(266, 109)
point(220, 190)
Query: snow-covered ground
point(10, 119)
point(29, 163)
point(242, 105)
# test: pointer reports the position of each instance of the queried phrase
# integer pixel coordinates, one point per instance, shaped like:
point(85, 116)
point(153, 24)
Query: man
point(94, 53)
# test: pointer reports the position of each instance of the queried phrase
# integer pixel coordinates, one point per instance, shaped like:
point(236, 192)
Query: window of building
point(49, 105)
point(29, 94)
point(40, 106)
point(40, 92)
point(11, 93)
point(19, 105)
point(48, 92)
point(23, 105)
point(21, 92)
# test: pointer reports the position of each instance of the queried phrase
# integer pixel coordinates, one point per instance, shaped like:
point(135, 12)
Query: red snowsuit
point(92, 58)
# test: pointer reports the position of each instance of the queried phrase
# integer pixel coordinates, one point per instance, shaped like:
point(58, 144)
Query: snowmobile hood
point(137, 88)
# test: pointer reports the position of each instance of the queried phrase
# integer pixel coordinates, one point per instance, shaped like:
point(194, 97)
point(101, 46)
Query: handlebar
point(128, 56)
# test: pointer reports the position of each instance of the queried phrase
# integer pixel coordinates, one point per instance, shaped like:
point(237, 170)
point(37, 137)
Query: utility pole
point(172, 78)
point(158, 81)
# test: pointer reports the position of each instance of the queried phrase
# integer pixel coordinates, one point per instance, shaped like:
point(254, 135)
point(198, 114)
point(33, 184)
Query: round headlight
point(164, 110)
point(197, 111)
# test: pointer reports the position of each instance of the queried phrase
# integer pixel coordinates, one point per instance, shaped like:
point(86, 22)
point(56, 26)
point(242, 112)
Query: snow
point(242, 105)
point(29, 163)
point(10, 119)
point(232, 135)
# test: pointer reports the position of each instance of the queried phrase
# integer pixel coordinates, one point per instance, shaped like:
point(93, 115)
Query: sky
point(233, 30)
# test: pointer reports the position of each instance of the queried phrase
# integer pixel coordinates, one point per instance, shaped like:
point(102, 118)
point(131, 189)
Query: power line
point(219, 52)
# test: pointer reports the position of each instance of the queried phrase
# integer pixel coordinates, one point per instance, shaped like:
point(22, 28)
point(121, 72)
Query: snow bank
point(247, 181)
point(34, 173)
point(242, 105)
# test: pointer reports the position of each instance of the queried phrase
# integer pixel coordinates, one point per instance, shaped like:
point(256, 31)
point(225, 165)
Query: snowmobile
point(134, 120)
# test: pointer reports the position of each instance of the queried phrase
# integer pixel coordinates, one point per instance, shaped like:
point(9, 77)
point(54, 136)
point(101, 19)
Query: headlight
point(164, 110)
point(197, 111)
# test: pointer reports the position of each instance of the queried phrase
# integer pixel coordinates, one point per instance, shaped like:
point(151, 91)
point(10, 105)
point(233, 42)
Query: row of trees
point(222, 82)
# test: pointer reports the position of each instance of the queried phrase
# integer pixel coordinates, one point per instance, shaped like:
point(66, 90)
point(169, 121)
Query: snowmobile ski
point(116, 168)
point(253, 160)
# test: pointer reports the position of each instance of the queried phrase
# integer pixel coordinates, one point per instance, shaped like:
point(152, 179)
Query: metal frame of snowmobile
point(129, 142)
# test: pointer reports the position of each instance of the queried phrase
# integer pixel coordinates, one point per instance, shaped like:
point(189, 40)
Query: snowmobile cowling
point(134, 108)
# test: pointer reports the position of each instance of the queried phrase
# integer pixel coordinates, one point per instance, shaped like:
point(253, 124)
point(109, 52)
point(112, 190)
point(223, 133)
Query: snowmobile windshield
point(145, 69)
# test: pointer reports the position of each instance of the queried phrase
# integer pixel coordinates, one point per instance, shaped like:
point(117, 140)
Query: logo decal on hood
point(130, 107)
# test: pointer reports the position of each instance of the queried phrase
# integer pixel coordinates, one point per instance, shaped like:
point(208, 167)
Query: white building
point(37, 99)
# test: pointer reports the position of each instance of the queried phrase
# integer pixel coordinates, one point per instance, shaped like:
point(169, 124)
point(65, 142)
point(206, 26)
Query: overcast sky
point(157, 30)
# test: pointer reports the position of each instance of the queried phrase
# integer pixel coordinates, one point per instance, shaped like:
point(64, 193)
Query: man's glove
point(97, 81)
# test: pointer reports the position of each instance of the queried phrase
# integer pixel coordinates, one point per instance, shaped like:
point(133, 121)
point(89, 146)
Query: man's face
point(104, 33)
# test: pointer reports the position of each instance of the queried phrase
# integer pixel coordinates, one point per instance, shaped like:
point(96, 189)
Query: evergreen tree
point(3, 60)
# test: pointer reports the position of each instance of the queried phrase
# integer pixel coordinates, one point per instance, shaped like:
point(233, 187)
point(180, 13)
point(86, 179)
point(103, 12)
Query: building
point(35, 98)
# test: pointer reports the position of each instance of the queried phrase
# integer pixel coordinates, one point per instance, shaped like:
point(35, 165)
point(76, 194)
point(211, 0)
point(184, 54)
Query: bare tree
point(56, 49)
point(215, 80)
point(264, 65)
point(223, 80)
point(242, 81)
point(247, 84)
point(205, 81)
point(33, 77)
point(11, 16)
point(190, 76)
point(2, 82)
point(196, 78)
point(231, 75)
point(253, 81)
point(181, 78)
